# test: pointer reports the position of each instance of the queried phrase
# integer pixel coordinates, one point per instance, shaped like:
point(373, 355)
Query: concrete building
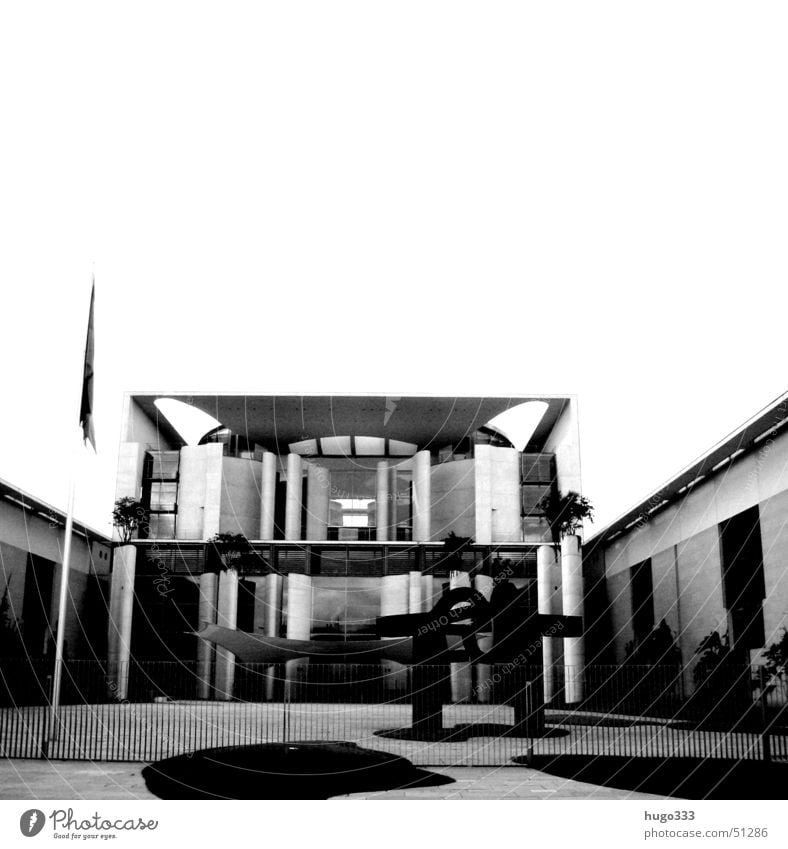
point(707, 551)
point(346, 500)
point(32, 536)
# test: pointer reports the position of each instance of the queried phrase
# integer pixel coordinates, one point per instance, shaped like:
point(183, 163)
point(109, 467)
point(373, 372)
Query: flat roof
point(430, 421)
point(766, 423)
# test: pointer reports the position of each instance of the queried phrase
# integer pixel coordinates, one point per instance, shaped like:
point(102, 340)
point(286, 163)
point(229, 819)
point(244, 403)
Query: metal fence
point(624, 710)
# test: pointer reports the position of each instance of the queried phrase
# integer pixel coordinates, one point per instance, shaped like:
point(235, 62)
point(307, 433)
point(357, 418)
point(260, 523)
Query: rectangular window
point(743, 586)
point(642, 589)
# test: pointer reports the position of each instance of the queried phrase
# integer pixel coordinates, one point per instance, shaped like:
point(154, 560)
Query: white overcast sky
point(459, 198)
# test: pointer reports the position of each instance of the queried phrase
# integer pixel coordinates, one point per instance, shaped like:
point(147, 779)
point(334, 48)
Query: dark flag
point(86, 407)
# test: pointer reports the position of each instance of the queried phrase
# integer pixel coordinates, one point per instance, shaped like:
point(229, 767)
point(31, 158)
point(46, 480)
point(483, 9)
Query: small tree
point(565, 513)
point(231, 551)
point(128, 515)
point(777, 656)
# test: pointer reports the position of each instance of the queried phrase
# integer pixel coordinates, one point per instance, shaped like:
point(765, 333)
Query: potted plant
point(565, 513)
point(128, 516)
point(229, 551)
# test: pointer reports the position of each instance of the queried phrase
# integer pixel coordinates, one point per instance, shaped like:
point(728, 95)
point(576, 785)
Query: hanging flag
point(86, 408)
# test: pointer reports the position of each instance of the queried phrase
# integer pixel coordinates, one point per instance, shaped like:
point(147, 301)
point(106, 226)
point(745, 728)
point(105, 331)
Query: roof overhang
point(275, 421)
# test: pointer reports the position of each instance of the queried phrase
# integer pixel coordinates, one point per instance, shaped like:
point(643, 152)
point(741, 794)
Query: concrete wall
point(564, 442)
point(137, 427)
point(774, 539)
point(497, 485)
point(453, 494)
point(683, 543)
point(240, 496)
point(199, 491)
point(22, 532)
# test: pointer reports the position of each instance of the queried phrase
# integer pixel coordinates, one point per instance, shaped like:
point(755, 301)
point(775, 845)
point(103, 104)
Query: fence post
point(766, 743)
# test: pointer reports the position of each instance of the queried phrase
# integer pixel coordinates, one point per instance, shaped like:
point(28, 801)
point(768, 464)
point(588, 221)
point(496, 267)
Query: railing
point(631, 711)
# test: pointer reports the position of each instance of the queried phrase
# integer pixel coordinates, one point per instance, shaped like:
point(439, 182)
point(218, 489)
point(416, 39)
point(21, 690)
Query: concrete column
point(273, 604)
point(572, 589)
point(260, 609)
point(414, 593)
point(460, 673)
point(293, 499)
point(206, 615)
point(395, 599)
point(482, 671)
point(394, 594)
point(121, 609)
point(317, 498)
point(421, 496)
point(392, 528)
point(427, 590)
point(273, 623)
point(226, 617)
point(546, 580)
point(299, 607)
point(268, 496)
point(382, 501)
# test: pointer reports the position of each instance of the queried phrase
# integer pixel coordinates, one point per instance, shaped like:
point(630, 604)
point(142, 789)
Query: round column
point(482, 671)
point(226, 617)
point(427, 589)
point(121, 610)
point(461, 674)
point(268, 496)
point(572, 590)
point(273, 623)
point(299, 607)
point(317, 498)
point(206, 614)
point(293, 497)
point(414, 592)
point(545, 582)
point(421, 496)
point(382, 498)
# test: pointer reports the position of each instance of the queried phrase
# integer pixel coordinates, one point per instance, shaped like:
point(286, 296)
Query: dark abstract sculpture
point(427, 641)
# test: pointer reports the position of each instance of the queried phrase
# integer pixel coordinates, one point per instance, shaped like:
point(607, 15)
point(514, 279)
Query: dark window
point(743, 584)
point(37, 604)
point(642, 588)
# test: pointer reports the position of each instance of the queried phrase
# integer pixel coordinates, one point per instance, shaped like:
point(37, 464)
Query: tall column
point(572, 589)
point(273, 623)
point(395, 599)
point(273, 604)
point(121, 609)
point(546, 579)
point(382, 499)
point(299, 607)
point(268, 496)
point(392, 531)
point(317, 498)
point(426, 592)
point(293, 497)
point(421, 497)
point(482, 671)
point(460, 673)
point(414, 593)
point(206, 614)
point(226, 617)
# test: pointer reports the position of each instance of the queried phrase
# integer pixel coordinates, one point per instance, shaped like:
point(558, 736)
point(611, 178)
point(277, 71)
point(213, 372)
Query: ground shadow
point(682, 778)
point(460, 733)
point(598, 721)
point(303, 770)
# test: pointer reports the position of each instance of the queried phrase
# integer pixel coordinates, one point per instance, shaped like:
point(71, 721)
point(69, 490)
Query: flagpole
point(57, 678)
point(86, 423)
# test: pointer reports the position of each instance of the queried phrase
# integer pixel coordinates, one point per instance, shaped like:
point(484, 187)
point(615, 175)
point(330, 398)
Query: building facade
point(346, 501)
point(706, 552)
point(32, 537)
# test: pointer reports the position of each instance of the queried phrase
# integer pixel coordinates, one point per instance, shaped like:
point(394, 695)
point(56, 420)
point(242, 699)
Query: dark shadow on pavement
point(301, 770)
